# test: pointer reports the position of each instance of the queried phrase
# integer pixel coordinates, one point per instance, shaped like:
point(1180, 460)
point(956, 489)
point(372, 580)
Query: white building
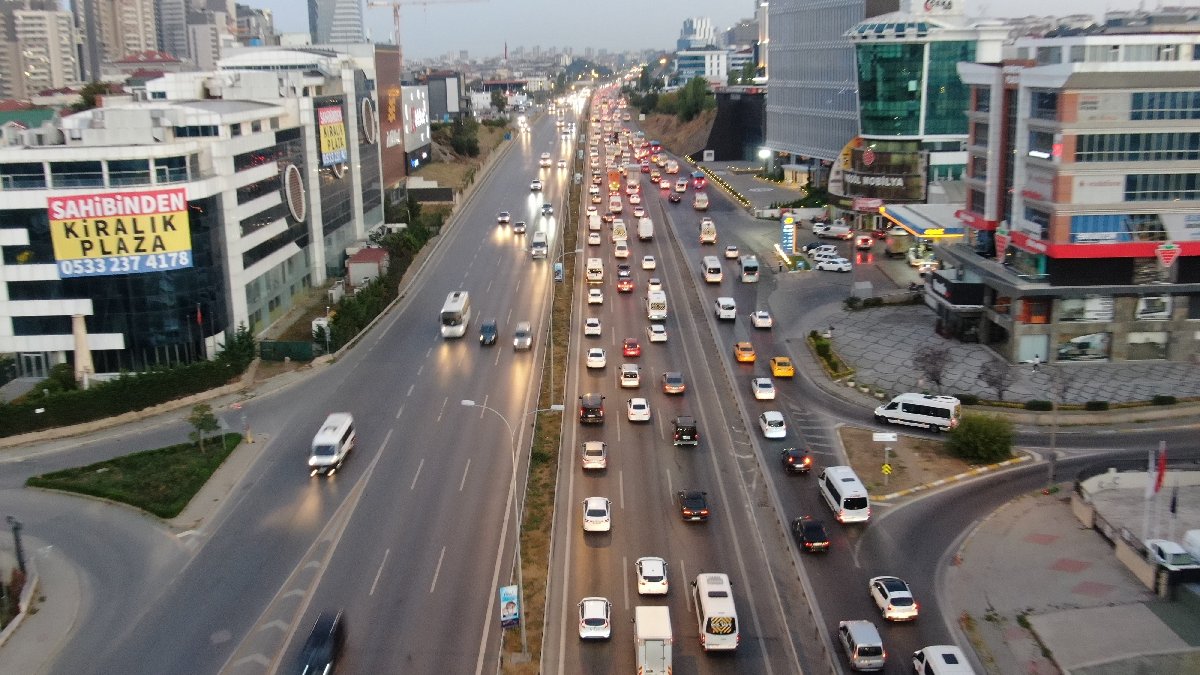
point(46, 44)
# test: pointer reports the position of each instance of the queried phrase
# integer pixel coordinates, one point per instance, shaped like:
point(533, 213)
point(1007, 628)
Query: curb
point(977, 471)
point(35, 582)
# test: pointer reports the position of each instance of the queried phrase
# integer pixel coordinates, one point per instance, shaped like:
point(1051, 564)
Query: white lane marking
point(621, 487)
point(443, 410)
point(625, 580)
point(428, 352)
point(483, 408)
point(417, 474)
point(509, 319)
point(400, 411)
point(670, 490)
point(410, 389)
point(489, 287)
point(463, 482)
point(420, 370)
point(437, 570)
point(496, 361)
point(379, 572)
point(687, 597)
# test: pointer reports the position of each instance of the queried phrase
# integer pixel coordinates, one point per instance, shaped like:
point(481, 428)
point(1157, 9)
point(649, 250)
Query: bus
point(456, 314)
point(716, 616)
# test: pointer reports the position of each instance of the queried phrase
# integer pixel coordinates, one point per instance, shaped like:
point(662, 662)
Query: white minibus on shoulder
point(937, 413)
point(845, 494)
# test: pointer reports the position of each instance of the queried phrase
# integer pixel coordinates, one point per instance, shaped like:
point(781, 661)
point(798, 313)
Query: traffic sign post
point(885, 437)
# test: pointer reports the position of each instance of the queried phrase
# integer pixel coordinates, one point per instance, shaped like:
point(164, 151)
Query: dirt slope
point(682, 138)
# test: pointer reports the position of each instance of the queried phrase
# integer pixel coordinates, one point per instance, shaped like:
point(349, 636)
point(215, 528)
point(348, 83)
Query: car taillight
point(807, 461)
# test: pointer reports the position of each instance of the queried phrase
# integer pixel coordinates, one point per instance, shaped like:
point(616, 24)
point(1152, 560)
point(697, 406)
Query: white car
point(772, 425)
point(595, 296)
point(595, 455)
point(656, 332)
point(649, 263)
point(638, 410)
point(731, 252)
point(535, 185)
point(503, 218)
point(763, 388)
point(823, 249)
point(653, 284)
point(591, 326)
point(630, 376)
point(651, 576)
point(1170, 555)
point(635, 198)
point(833, 265)
point(596, 358)
point(638, 211)
point(562, 163)
point(545, 160)
point(594, 619)
point(894, 598)
point(591, 209)
point(762, 319)
point(621, 250)
point(597, 515)
point(825, 254)
point(593, 238)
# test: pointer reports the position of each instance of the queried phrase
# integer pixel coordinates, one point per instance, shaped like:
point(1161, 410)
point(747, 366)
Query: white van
point(941, 660)
point(614, 204)
point(716, 616)
point(594, 222)
point(725, 309)
point(845, 494)
point(711, 267)
point(334, 440)
point(863, 645)
point(937, 413)
point(595, 271)
point(700, 203)
point(537, 245)
point(749, 269)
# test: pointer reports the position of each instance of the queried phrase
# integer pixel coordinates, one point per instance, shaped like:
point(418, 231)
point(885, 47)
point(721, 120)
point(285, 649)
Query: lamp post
point(18, 550)
point(552, 294)
point(1055, 394)
point(765, 154)
point(327, 327)
point(516, 506)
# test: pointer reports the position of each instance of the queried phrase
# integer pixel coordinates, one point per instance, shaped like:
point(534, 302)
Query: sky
point(435, 27)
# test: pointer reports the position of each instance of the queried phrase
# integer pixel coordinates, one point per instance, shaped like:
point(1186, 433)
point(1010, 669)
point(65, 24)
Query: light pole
point(765, 154)
point(17, 548)
point(553, 292)
point(327, 327)
point(1055, 394)
point(516, 506)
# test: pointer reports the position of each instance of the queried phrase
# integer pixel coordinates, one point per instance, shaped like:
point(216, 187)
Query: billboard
point(106, 233)
point(416, 117)
point(332, 132)
point(391, 121)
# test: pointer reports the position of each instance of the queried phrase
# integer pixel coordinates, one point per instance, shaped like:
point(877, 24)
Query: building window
point(128, 172)
point(979, 167)
point(1043, 105)
point(235, 130)
point(1039, 217)
point(257, 189)
point(170, 170)
point(196, 131)
point(979, 134)
point(983, 99)
point(1162, 187)
point(1164, 105)
point(256, 126)
point(22, 176)
point(76, 174)
point(889, 88)
point(944, 91)
point(1157, 147)
point(1041, 144)
point(977, 201)
point(1049, 55)
point(1034, 310)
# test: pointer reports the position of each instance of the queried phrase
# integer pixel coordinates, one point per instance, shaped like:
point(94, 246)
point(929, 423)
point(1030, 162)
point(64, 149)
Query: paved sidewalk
point(761, 194)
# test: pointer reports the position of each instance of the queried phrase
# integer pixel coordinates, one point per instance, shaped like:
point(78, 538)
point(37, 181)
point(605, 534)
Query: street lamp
point(516, 506)
point(765, 154)
point(1055, 394)
point(17, 548)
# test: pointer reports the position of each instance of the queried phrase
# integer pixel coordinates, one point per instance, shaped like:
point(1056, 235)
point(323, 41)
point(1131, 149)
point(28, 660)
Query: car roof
point(591, 398)
point(772, 415)
point(652, 564)
point(596, 502)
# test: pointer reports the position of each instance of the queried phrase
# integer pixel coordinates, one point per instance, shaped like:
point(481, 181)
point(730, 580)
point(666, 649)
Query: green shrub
point(822, 349)
point(872, 302)
point(968, 399)
point(1164, 399)
point(813, 335)
point(1095, 406)
point(981, 439)
point(1039, 405)
point(852, 303)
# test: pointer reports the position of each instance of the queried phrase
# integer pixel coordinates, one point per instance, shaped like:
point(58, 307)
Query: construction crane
point(396, 5)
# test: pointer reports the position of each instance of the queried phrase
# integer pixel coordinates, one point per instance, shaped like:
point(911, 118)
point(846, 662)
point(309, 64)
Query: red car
point(645, 167)
point(625, 286)
point(630, 347)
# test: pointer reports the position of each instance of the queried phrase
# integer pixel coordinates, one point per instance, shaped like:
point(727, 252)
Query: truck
point(652, 639)
point(656, 305)
point(708, 231)
point(594, 222)
point(701, 201)
point(614, 180)
point(619, 233)
point(896, 242)
point(645, 228)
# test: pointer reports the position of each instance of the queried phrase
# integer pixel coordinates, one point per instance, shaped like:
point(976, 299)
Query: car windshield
point(869, 651)
point(324, 451)
point(595, 513)
point(854, 503)
point(901, 602)
point(594, 622)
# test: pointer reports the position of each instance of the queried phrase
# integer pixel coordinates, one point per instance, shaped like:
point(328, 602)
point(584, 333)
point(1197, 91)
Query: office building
point(336, 21)
point(112, 29)
point(45, 52)
point(697, 32)
point(711, 64)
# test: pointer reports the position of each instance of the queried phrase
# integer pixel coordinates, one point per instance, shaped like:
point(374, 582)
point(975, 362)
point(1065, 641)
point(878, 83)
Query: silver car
point(523, 337)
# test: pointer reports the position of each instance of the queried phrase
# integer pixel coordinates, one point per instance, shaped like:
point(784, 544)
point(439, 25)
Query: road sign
point(883, 437)
point(1166, 254)
point(887, 469)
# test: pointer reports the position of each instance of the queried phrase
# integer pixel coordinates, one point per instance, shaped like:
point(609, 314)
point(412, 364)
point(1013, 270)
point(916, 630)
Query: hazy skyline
point(482, 27)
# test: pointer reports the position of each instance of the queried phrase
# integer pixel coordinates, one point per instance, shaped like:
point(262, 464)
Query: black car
point(686, 432)
point(675, 197)
point(810, 534)
point(693, 504)
point(795, 460)
point(488, 332)
point(324, 645)
point(591, 409)
point(547, 210)
point(624, 271)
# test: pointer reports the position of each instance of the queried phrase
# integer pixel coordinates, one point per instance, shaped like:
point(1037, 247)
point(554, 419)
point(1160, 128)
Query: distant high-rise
point(172, 27)
point(112, 29)
point(697, 32)
point(336, 21)
point(46, 40)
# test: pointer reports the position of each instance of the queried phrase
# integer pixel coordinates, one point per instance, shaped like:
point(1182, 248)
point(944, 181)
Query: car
point(763, 389)
point(761, 318)
point(594, 455)
point(621, 249)
point(488, 332)
point(824, 254)
point(655, 176)
point(672, 382)
point(681, 185)
point(645, 167)
point(639, 211)
point(744, 352)
point(547, 209)
point(1170, 555)
point(596, 358)
point(523, 336)
point(595, 296)
point(810, 534)
point(323, 647)
point(625, 285)
point(686, 432)
point(781, 366)
point(894, 598)
point(535, 185)
point(656, 332)
point(630, 376)
point(593, 239)
point(596, 178)
point(693, 505)
point(597, 514)
point(595, 616)
point(635, 198)
point(674, 197)
point(544, 160)
point(941, 659)
point(651, 575)
point(591, 408)
point(833, 231)
point(649, 262)
point(815, 247)
point(630, 347)
point(503, 218)
point(592, 327)
point(833, 265)
point(795, 460)
point(595, 199)
point(772, 425)
point(624, 271)
point(864, 242)
point(653, 284)
point(637, 410)
point(731, 252)
point(519, 227)
point(562, 163)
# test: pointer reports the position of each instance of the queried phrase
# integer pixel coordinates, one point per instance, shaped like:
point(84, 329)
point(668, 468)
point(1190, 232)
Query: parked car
point(833, 265)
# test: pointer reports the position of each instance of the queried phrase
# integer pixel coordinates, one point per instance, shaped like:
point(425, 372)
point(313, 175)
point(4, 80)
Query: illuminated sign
point(108, 233)
point(332, 130)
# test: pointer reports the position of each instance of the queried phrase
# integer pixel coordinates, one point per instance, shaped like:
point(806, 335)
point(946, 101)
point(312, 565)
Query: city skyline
point(624, 25)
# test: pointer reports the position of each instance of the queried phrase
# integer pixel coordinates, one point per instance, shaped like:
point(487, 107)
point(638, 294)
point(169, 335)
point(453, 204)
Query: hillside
point(681, 138)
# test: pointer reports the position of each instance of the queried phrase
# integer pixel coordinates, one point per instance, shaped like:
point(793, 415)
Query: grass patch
point(161, 481)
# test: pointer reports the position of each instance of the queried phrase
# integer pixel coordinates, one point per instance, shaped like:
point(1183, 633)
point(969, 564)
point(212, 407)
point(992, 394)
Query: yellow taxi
point(744, 352)
point(781, 366)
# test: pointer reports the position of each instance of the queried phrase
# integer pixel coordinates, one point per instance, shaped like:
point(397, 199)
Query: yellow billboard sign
point(120, 232)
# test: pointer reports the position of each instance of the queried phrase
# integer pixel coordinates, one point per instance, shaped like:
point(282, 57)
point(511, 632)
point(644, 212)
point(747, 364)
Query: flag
point(199, 316)
point(1162, 468)
point(1174, 499)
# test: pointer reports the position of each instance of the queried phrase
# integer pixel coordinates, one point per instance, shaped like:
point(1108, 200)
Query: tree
point(931, 362)
point(999, 375)
point(499, 102)
point(89, 94)
point(644, 79)
point(203, 422)
point(981, 439)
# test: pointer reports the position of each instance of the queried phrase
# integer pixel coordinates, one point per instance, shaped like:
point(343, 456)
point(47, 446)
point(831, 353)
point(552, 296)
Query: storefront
point(957, 297)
